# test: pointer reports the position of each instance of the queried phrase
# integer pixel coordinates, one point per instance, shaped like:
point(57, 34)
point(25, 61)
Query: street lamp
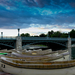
point(68, 34)
point(18, 32)
point(1, 34)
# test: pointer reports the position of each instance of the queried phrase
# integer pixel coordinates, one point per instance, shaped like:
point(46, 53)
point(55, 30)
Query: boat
point(39, 52)
point(7, 51)
point(1, 54)
point(50, 57)
point(21, 67)
point(37, 58)
point(21, 64)
point(36, 52)
point(61, 55)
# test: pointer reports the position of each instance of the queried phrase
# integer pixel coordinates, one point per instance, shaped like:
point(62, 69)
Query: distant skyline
point(36, 16)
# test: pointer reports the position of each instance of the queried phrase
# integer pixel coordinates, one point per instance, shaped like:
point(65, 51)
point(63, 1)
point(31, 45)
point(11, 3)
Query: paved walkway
point(3, 73)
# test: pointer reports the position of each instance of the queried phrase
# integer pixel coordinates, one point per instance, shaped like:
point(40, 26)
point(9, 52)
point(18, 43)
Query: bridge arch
point(58, 43)
point(9, 46)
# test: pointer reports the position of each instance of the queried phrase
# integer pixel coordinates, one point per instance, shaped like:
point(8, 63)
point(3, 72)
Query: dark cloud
point(43, 3)
point(38, 3)
point(72, 4)
point(23, 13)
point(7, 2)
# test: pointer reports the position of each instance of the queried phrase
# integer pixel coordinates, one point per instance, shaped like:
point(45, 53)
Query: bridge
point(20, 42)
point(11, 41)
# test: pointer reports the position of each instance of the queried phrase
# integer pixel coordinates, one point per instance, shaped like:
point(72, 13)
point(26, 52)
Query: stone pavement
point(3, 73)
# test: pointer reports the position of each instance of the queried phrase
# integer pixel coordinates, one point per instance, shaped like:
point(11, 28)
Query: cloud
point(23, 13)
point(36, 3)
point(72, 4)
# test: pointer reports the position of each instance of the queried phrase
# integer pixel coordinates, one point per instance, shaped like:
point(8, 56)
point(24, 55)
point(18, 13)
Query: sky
point(36, 16)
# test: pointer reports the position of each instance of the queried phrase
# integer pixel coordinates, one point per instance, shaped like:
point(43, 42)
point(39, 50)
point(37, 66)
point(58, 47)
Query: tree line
point(52, 34)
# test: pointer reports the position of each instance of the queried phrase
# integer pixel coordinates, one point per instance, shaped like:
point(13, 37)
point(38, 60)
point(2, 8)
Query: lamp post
point(1, 34)
point(18, 32)
point(68, 34)
point(47, 35)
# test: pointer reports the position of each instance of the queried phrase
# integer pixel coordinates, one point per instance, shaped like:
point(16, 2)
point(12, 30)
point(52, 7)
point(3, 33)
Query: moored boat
point(55, 56)
point(60, 55)
point(19, 67)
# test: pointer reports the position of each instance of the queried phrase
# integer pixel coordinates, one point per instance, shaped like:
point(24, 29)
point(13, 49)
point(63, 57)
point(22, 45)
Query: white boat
point(19, 67)
point(53, 56)
point(37, 52)
point(7, 51)
point(38, 58)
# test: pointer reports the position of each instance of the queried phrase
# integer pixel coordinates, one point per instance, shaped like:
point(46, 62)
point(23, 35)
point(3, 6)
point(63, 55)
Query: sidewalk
point(3, 73)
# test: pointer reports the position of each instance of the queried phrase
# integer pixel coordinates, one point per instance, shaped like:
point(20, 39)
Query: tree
point(57, 34)
point(42, 35)
point(25, 35)
point(72, 33)
point(64, 35)
point(35, 36)
point(50, 33)
point(22, 34)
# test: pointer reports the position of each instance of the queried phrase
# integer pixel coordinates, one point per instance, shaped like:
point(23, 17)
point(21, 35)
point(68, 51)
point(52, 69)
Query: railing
point(43, 38)
point(6, 37)
point(37, 38)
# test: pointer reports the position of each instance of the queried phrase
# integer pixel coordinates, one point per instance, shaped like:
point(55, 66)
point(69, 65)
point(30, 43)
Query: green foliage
point(36, 36)
point(42, 35)
point(22, 34)
point(25, 35)
point(52, 34)
point(64, 35)
point(56, 34)
point(72, 33)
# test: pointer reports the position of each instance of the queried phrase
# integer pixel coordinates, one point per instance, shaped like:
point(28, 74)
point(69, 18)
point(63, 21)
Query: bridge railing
point(73, 39)
point(7, 37)
point(36, 38)
point(42, 38)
